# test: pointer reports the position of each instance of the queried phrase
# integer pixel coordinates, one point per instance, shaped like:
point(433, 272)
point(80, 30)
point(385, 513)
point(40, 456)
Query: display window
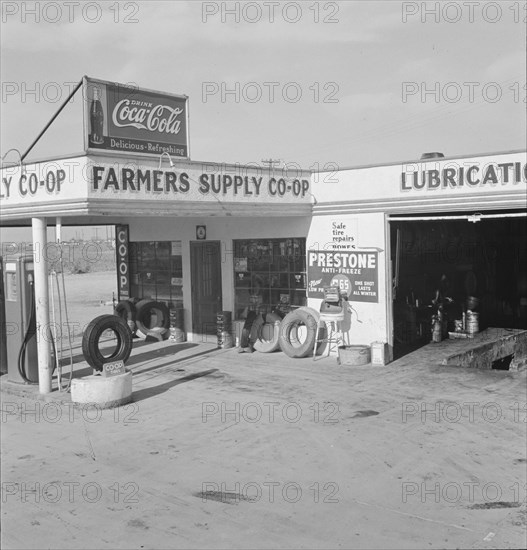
point(156, 271)
point(269, 274)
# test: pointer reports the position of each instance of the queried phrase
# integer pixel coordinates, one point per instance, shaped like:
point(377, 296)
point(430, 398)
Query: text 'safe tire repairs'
point(127, 311)
point(265, 333)
point(152, 318)
point(92, 336)
point(289, 339)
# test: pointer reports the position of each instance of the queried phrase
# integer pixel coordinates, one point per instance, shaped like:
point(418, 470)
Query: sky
point(314, 84)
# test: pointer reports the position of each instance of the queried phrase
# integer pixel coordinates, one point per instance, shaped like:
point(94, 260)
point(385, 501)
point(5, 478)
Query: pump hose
point(30, 333)
point(70, 343)
point(57, 359)
point(59, 352)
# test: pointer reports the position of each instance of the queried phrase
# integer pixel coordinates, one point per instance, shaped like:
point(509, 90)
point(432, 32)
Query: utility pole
point(271, 163)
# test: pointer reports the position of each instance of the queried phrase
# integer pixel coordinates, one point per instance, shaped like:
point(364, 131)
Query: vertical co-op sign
point(134, 120)
point(121, 251)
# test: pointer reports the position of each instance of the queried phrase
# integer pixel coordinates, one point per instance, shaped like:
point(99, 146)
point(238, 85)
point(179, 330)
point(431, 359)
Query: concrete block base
point(104, 392)
point(491, 345)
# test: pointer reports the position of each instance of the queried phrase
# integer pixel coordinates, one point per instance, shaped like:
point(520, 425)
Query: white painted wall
point(369, 321)
point(224, 229)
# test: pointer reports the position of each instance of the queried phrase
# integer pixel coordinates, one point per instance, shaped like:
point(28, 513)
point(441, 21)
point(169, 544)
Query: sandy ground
point(346, 458)
point(87, 296)
point(228, 450)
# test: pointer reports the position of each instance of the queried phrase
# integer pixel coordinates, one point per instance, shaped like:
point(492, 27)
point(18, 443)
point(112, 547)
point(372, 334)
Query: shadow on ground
point(145, 356)
point(145, 393)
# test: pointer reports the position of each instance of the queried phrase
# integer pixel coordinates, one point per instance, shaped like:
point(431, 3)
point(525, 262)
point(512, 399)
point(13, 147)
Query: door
point(205, 265)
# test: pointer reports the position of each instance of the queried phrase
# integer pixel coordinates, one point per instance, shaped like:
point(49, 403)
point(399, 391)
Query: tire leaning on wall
point(144, 310)
point(92, 336)
point(290, 323)
point(262, 323)
point(126, 310)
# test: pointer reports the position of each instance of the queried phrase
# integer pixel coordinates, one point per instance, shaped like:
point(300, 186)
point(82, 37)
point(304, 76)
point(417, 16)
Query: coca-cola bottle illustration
point(96, 119)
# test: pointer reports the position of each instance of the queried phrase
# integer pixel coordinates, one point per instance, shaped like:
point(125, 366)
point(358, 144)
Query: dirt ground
point(228, 450)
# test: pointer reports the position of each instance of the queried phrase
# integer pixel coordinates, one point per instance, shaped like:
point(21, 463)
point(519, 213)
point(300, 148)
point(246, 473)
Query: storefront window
point(269, 273)
point(156, 271)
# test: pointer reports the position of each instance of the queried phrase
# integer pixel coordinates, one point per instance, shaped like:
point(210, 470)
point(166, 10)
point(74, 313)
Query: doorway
point(480, 266)
point(205, 265)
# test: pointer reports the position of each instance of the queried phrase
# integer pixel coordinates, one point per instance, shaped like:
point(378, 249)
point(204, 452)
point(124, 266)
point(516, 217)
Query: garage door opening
point(465, 262)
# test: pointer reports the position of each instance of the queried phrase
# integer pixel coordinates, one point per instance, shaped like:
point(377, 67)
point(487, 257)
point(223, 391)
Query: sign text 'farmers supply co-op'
point(356, 273)
point(151, 182)
point(129, 119)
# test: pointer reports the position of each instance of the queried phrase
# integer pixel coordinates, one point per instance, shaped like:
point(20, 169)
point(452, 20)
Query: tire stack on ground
point(224, 329)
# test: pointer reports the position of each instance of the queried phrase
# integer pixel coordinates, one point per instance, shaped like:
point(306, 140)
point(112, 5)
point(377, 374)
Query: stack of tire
point(177, 325)
point(224, 329)
point(270, 332)
point(146, 317)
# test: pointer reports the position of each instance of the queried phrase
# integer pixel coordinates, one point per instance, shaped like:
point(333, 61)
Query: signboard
point(201, 232)
point(452, 175)
point(121, 251)
point(336, 233)
point(474, 180)
point(134, 182)
point(356, 273)
point(113, 369)
point(44, 182)
point(240, 265)
point(134, 120)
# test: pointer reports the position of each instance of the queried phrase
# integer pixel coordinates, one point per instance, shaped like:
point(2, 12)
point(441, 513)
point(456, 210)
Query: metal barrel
point(224, 329)
point(472, 322)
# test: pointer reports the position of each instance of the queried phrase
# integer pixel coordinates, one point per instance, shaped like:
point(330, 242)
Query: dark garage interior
point(478, 262)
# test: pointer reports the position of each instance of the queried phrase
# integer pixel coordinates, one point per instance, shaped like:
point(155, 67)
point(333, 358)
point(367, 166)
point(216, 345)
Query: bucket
point(177, 325)
point(472, 321)
point(379, 353)
point(437, 331)
point(177, 335)
point(354, 355)
point(177, 318)
point(225, 340)
point(224, 329)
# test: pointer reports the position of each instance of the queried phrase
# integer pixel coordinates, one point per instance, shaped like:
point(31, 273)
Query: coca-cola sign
point(129, 119)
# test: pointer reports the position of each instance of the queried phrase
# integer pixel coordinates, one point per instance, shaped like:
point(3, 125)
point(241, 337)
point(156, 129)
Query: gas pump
point(20, 340)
